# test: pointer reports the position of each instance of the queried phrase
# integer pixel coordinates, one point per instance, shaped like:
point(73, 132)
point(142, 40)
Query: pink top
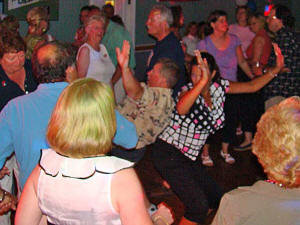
point(244, 34)
point(77, 191)
point(266, 49)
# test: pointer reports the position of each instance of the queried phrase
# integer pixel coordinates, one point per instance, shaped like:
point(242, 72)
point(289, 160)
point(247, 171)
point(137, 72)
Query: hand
point(123, 55)
point(203, 65)
point(4, 171)
point(279, 58)
point(164, 214)
point(9, 202)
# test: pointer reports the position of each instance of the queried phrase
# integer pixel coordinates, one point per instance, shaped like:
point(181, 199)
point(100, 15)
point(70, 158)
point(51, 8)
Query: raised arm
point(257, 83)
point(187, 99)
point(83, 61)
point(132, 87)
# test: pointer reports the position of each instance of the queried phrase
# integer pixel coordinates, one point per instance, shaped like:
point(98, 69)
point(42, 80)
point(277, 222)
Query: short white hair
point(165, 13)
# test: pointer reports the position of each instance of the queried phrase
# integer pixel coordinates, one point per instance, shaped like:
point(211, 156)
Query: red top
point(267, 47)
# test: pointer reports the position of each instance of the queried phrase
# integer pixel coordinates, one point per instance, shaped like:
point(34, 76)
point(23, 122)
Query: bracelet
point(272, 74)
point(160, 218)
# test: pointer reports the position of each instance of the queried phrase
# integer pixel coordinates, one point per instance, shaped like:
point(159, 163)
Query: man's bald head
point(51, 60)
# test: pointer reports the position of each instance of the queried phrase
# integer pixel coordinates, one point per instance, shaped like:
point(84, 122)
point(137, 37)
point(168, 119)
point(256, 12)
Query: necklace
point(274, 182)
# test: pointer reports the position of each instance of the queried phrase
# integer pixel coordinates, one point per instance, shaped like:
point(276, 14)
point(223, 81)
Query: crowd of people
point(75, 120)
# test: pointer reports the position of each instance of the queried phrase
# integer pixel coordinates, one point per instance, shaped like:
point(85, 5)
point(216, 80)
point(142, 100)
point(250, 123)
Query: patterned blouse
point(151, 114)
point(189, 132)
point(285, 84)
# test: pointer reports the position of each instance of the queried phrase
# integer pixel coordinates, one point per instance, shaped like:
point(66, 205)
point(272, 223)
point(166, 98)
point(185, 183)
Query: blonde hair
point(277, 141)
point(37, 14)
point(83, 122)
point(260, 18)
point(99, 18)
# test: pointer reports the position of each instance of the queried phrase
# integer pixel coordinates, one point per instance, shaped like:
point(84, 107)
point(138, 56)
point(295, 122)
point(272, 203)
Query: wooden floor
point(245, 171)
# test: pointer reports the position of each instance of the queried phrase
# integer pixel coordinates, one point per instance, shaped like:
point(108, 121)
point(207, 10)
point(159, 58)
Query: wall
point(64, 29)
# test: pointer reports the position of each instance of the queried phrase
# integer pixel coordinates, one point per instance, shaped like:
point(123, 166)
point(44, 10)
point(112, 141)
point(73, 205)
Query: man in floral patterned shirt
point(150, 106)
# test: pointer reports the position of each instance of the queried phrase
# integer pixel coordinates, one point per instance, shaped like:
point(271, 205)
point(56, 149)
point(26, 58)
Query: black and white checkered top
point(189, 132)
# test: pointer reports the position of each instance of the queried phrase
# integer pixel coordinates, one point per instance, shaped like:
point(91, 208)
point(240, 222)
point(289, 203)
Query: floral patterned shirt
point(151, 114)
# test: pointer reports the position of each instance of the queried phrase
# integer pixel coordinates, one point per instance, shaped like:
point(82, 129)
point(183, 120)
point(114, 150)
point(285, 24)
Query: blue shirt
point(169, 47)
point(23, 124)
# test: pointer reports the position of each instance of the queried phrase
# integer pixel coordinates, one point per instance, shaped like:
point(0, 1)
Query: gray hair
point(99, 17)
point(165, 13)
point(169, 70)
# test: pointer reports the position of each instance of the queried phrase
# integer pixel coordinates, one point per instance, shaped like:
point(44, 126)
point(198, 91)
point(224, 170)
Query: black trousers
point(232, 111)
point(188, 179)
point(251, 106)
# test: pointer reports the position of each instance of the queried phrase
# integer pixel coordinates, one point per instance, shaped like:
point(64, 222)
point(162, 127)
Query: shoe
point(206, 160)
point(152, 209)
point(243, 148)
point(228, 158)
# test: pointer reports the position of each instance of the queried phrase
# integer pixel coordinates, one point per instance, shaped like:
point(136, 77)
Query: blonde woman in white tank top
point(93, 59)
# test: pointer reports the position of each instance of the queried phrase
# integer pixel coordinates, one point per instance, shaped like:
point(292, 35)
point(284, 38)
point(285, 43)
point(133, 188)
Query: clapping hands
point(203, 66)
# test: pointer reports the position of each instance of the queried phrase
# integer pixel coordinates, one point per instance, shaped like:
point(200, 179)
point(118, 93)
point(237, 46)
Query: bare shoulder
point(83, 51)
point(34, 177)
point(125, 176)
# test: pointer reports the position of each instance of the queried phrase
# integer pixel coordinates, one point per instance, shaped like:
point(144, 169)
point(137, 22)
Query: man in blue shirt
point(167, 45)
point(24, 120)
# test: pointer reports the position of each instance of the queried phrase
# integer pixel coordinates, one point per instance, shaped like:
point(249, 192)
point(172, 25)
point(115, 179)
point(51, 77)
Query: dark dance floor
point(245, 171)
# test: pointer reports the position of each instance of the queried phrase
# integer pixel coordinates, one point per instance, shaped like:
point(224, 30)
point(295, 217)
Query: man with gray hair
point(167, 45)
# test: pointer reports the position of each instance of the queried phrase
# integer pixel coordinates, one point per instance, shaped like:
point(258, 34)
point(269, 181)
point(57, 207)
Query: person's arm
point(243, 62)
point(129, 202)
point(257, 83)
point(6, 125)
point(28, 211)
point(116, 76)
point(187, 99)
point(126, 135)
point(132, 87)
point(83, 61)
point(258, 46)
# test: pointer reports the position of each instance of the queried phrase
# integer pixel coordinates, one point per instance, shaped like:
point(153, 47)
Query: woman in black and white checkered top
point(199, 113)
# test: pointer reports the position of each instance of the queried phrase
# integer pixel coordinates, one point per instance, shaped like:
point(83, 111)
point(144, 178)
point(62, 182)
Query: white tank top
point(78, 191)
point(102, 69)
